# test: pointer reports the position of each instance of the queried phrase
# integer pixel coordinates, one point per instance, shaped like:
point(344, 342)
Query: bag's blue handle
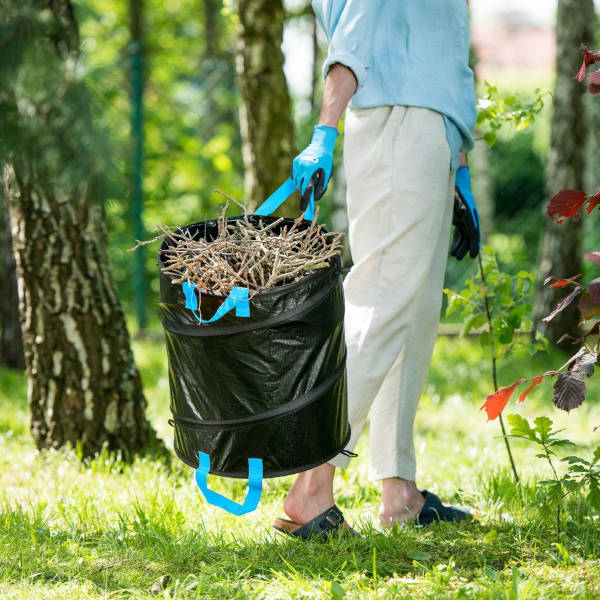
point(279, 196)
point(255, 476)
point(238, 299)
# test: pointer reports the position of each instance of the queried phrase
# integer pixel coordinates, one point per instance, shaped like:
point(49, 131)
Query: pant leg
point(399, 206)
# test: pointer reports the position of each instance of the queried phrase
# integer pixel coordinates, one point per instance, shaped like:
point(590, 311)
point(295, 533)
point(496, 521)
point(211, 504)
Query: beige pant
point(400, 199)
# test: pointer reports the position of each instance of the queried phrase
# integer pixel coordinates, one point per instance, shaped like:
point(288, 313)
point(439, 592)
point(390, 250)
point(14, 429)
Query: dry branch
point(247, 253)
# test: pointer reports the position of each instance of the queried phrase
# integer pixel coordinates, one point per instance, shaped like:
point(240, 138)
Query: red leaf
point(593, 201)
point(494, 404)
point(589, 58)
point(593, 256)
point(536, 381)
point(563, 304)
point(588, 306)
point(594, 289)
point(569, 390)
point(564, 282)
point(567, 203)
point(593, 80)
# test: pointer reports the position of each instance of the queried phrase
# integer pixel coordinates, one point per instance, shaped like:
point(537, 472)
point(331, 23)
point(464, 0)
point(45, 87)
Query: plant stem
point(558, 480)
point(495, 372)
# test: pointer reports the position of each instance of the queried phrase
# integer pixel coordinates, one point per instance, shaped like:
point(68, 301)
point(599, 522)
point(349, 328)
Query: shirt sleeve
point(349, 26)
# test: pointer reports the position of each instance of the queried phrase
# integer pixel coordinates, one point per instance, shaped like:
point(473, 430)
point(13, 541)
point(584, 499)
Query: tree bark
point(11, 344)
point(265, 113)
point(560, 249)
point(84, 387)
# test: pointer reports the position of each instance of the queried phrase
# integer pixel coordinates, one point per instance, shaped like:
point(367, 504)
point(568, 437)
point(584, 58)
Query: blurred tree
point(192, 142)
point(84, 386)
point(136, 51)
point(519, 178)
point(560, 250)
point(265, 114)
point(11, 342)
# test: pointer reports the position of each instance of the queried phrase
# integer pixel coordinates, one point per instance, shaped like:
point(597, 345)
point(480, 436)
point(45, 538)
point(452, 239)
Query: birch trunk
point(265, 113)
point(11, 342)
point(84, 387)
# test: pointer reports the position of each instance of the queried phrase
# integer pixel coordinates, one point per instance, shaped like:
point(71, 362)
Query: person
point(400, 71)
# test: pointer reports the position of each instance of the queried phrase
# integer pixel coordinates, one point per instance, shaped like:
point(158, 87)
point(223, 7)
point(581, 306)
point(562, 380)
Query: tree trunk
point(136, 51)
point(11, 344)
point(265, 114)
point(84, 387)
point(560, 250)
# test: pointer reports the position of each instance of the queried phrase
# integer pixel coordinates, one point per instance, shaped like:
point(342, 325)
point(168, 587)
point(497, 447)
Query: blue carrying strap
point(237, 299)
point(255, 475)
point(279, 196)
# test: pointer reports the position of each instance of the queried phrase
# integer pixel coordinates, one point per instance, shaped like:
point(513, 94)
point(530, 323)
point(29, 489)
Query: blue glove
point(465, 218)
point(313, 166)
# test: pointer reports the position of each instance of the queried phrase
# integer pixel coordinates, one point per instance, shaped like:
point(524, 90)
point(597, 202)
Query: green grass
point(140, 530)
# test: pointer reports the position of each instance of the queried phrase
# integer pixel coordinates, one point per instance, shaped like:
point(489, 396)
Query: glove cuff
point(463, 177)
point(325, 135)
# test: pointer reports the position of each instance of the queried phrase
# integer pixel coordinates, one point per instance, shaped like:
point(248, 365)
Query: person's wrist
point(327, 122)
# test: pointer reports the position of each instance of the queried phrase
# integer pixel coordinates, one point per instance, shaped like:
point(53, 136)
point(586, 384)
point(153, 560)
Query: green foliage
point(191, 127)
point(47, 110)
point(495, 111)
point(508, 299)
point(581, 475)
point(519, 179)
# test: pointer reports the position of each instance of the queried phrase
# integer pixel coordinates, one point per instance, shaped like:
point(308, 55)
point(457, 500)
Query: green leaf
point(419, 555)
point(485, 339)
point(594, 495)
point(543, 425)
point(575, 460)
point(520, 428)
point(572, 485)
point(468, 324)
point(560, 443)
point(554, 490)
point(490, 536)
point(490, 138)
point(563, 552)
point(505, 334)
point(337, 591)
point(578, 469)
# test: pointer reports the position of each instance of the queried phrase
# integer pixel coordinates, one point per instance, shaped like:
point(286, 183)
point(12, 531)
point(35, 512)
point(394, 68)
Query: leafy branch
point(494, 111)
point(580, 475)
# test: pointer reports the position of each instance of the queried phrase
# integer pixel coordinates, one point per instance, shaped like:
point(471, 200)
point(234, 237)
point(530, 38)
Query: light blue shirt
point(406, 52)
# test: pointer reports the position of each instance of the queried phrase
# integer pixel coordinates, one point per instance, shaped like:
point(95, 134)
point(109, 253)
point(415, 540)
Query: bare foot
point(401, 501)
point(311, 494)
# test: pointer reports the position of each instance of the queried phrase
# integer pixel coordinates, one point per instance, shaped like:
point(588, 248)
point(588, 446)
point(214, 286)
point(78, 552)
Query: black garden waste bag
point(271, 386)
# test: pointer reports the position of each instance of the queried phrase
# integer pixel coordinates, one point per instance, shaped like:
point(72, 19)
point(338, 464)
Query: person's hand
point(313, 166)
point(467, 236)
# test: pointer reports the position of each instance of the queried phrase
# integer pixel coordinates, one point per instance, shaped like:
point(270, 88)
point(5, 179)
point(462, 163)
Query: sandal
point(329, 522)
point(433, 511)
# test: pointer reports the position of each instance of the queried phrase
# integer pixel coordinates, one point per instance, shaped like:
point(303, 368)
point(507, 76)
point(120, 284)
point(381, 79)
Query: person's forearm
point(340, 86)
point(462, 160)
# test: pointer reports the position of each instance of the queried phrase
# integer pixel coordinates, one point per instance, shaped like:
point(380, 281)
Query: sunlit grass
point(108, 529)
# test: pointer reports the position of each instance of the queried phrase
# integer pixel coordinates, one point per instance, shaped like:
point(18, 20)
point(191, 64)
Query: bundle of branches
point(249, 252)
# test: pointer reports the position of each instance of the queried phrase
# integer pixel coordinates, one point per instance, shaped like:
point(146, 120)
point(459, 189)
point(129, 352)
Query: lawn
point(107, 529)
